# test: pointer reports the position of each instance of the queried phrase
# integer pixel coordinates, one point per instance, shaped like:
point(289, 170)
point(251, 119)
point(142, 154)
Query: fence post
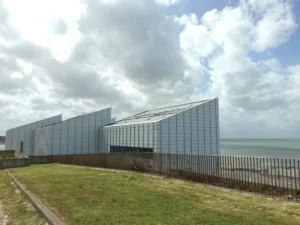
point(248, 172)
point(225, 170)
point(253, 171)
point(286, 175)
point(290, 180)
point(278, 174)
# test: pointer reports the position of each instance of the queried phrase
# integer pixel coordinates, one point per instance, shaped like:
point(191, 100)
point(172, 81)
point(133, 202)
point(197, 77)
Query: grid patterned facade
point(79, 135)
point(52, 136)
point(24, 135)
point(143, 135)
point(192, 129)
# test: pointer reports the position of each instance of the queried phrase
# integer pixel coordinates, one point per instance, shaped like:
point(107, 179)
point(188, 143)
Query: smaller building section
point(21, 138)
point(79, 135)
point(191, 128)
point(52, 136)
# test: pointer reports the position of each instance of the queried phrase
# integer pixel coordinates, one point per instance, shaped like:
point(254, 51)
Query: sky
point(73, 57)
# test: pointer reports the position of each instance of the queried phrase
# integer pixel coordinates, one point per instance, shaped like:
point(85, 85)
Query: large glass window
point(129, 149)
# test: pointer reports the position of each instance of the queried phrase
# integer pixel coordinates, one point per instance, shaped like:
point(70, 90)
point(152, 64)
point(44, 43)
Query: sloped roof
point(158, 114)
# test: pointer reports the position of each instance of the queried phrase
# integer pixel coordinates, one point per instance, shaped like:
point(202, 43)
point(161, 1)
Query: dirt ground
point(3, 217)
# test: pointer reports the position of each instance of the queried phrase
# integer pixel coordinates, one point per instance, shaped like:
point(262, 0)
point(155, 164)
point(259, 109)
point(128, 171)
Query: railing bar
point(245, 170)
point(226, 172)
point(295, 180)
point(290, 179)
point(255, 173)
point(264, 182)
point(286, 175)
point(238, 169)
point(273, 178)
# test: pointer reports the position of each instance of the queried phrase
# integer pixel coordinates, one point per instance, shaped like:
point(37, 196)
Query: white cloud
point(250, 92)
point(135, 55)
point(168, 2)
point(35, 19)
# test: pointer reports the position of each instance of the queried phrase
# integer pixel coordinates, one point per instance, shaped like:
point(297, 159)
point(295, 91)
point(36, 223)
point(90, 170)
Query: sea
point(271, 148)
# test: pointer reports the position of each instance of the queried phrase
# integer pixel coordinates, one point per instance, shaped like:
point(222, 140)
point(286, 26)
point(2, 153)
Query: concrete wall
point(152, 161)
point(79, 135)
point(18, 160)
point(25, 133)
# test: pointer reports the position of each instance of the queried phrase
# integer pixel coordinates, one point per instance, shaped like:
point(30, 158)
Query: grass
point(81, 195)
point(15, 205)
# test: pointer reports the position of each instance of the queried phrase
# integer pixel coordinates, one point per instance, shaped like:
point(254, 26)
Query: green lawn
point(81, 195)
point(15, 205)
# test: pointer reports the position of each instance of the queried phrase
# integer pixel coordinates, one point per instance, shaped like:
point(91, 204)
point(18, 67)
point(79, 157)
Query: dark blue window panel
point(129, 149)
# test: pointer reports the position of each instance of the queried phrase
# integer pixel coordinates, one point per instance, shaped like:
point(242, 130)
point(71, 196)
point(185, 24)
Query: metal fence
point(267, 176)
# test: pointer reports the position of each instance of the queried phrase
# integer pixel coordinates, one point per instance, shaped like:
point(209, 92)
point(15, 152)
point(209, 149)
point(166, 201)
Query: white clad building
point(52, 136)
point(191, 128)
point(78, 135)
point(21, 138)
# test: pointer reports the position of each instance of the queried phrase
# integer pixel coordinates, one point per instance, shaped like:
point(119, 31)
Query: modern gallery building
point(191, 128)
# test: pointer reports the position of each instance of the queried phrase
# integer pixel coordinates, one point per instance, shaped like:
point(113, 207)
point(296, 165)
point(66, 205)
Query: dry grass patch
point(15, 205)
point(84, 195)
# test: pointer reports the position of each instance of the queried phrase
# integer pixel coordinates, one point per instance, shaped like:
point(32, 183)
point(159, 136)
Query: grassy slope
point(16, 206)
point(89, 196)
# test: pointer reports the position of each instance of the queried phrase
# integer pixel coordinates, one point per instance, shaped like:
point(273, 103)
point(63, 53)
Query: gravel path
point(3, 217)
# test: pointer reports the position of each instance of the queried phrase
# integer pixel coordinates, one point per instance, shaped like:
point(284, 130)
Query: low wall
point(41, 159)
point(106, 160)
point(7, 154)
point(12, 159)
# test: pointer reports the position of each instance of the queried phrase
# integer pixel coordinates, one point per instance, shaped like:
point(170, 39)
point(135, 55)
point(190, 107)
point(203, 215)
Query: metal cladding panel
point(8, 139)
point(193, 131)
point(71, 137)
point(43, 144)
point(28, 139)
point(39, 124)
point(92, 133)
point(21, 133)
point(217, 125)
point(155, 137)
point(50, 143)
point(64, 135)
point(120, 136)
point(26, 134)
point(78, 135)
point(158, 137)
point(85, 134)
point(136, 135)
point(56, 138)
point(144, 142)
point(102, 142)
